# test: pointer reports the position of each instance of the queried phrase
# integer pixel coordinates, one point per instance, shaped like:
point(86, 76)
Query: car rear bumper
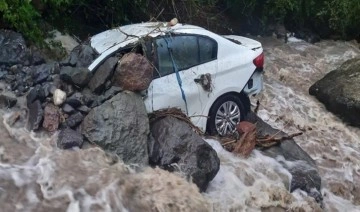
point(255, 83)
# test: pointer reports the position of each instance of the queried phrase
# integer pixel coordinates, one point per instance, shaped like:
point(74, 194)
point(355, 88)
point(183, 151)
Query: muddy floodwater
point(37, 176)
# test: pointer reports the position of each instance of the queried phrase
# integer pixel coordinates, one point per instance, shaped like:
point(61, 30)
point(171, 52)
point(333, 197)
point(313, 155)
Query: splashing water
point(37, 176)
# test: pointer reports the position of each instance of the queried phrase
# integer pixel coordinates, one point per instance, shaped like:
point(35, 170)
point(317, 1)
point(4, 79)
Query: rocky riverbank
point(62, 98)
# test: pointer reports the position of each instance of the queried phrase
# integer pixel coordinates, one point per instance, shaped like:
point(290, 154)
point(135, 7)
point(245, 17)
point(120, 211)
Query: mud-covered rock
point(174, 141)
point(102, 74)
point(134, 73)
point(77, 76)
point(339, 91)
point(69, 138)
point(51, 118)
point(35, 115)
point(120, 126)
point(7, 101)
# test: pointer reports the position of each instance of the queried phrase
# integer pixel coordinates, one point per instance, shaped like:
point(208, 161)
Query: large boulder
point(134, 73)
point(305, 175)
point(339, 91)
point(174, 141)
point(102, 74)
point(120, 126)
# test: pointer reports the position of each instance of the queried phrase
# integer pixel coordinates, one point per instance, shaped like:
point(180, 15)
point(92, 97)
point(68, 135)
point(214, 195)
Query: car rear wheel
point(225, 114)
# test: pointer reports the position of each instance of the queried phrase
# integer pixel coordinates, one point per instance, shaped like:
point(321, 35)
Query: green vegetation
point(325, 17)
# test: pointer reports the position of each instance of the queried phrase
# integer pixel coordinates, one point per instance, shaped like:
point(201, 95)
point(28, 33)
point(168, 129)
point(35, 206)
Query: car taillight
point(259, 61)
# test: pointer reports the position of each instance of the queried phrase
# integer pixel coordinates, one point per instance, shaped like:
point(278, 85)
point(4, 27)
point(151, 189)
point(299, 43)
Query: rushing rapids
point(37, 176)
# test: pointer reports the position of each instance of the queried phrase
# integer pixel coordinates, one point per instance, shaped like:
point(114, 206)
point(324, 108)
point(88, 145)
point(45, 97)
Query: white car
point(208, 76)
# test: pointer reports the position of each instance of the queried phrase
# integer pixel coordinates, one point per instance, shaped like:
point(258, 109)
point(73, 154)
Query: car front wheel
point(225, 114)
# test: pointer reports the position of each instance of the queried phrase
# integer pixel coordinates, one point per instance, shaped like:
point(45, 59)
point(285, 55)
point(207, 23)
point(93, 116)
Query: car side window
point(165, 63)
point(187, 51)
point(208, 49)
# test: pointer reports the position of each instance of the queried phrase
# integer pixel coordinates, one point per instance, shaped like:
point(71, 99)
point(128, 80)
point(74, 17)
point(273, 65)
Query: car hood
point(247, 42)
point(107, 39)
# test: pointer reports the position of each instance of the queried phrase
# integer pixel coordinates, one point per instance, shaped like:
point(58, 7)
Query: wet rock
point(120, 126)
point(174, 141)
point(339, 91)
point(69, 138)
point(41, 73)
point(59, 97)
point(35, 115)
point(13, 48)
point(102, 74)
point(77, 76)
point(74, 120)
point(7, 101)
point(51, 118)
point(36, 93)
point(81, 56)
point(134, 73)
point(68, 109)
point(304, 171)
point(75, 100)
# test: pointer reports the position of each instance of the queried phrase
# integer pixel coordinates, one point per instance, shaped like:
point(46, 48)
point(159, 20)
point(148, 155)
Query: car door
point(191, 56)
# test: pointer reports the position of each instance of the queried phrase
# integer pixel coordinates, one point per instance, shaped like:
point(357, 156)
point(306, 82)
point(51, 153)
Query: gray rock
point(35, 115)
point(36, 93)
point(77, 76)
point(120, 126)
point(176, 142)
point(75, 100)
point(42, 72)
point(109, 94)
point(74, 120)
point(68, 109)
point(102, 74)
point(84, 109)
point(339, 91)
point(81, 56)
point(69, 138)
point(7, 101)
point(304, 171)
point(13, 48)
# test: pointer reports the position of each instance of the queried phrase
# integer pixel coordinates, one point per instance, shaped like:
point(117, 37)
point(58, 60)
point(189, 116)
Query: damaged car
point(208, 76)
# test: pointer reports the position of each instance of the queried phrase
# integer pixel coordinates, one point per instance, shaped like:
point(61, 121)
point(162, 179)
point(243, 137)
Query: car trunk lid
point(243, 41)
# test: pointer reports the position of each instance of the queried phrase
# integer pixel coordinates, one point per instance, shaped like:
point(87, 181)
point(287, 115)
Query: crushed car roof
point(107, 39)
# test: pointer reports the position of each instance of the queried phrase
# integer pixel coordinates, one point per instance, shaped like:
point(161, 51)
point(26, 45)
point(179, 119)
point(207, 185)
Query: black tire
point(211, 126)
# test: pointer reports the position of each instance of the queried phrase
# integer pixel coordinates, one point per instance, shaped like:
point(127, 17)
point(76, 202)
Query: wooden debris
point(249, 140)
point(176, 113)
